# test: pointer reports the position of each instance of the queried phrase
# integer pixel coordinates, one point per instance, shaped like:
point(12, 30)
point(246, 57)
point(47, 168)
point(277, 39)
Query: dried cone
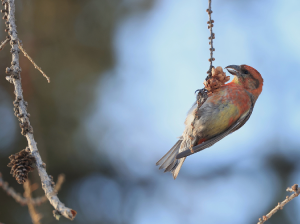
point(218, 78)
point(21, 164)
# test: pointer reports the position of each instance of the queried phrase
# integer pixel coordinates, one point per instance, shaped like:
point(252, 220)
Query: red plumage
point(227, 108)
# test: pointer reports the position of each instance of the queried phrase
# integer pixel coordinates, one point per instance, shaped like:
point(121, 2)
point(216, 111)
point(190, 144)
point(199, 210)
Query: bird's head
point(247, 76)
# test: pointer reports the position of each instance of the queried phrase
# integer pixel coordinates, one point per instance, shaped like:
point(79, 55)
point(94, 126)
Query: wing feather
point(235, 126)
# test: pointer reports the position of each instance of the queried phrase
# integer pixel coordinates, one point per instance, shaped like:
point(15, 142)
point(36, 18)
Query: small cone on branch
point(21, 164)
point(218, 78)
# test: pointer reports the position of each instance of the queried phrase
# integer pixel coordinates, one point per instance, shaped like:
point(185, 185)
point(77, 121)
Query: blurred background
point(123, 75)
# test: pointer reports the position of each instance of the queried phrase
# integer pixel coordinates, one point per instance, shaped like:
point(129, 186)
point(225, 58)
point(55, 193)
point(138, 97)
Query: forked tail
point(169, 161)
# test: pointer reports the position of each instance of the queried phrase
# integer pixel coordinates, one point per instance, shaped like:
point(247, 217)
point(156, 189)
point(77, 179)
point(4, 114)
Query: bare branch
point(21, 111)
point(10, 191)
point(60, 181)
point(36, 217)
point(280, 205)
point(31, 60)
point(34, 201)
point(3, 43)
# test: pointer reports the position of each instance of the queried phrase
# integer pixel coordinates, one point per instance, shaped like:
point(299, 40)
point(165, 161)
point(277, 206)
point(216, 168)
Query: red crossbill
point(225, 111)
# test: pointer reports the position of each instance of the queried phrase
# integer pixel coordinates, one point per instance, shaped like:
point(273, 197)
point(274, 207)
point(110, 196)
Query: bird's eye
point(246, 72)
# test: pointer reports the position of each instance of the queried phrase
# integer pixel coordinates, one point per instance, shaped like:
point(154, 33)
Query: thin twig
point(35, 216)
point(31, 60)
point(280, 205)
point(11, 192)
point(60, 181)
point(211, 37)
point(202, 93)
point(24, 201)
point(21, 109)
point(3, 43)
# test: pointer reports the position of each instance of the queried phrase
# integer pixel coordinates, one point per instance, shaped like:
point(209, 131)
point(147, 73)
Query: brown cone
point(21, 164)
point(218, 79)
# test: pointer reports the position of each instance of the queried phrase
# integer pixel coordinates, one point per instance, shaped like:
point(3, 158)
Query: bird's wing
point(235, 126)
point(247, 116)
point(243, 121)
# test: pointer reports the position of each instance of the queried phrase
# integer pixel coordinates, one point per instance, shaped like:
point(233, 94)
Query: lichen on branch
point(14, 77)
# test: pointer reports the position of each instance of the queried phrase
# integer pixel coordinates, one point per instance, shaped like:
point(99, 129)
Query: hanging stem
point(202, 93)
point(211, 37)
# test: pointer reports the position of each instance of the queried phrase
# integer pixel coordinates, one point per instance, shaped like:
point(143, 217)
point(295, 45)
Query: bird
point(224, 111)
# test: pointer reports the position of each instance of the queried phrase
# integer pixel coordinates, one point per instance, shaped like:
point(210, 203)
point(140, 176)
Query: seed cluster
point(217, 79)
point(21, 164)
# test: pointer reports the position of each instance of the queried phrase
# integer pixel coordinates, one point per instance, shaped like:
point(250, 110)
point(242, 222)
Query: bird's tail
point(169, 161)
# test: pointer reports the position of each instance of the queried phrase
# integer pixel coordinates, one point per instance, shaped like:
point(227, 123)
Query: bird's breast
point(219, 112)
